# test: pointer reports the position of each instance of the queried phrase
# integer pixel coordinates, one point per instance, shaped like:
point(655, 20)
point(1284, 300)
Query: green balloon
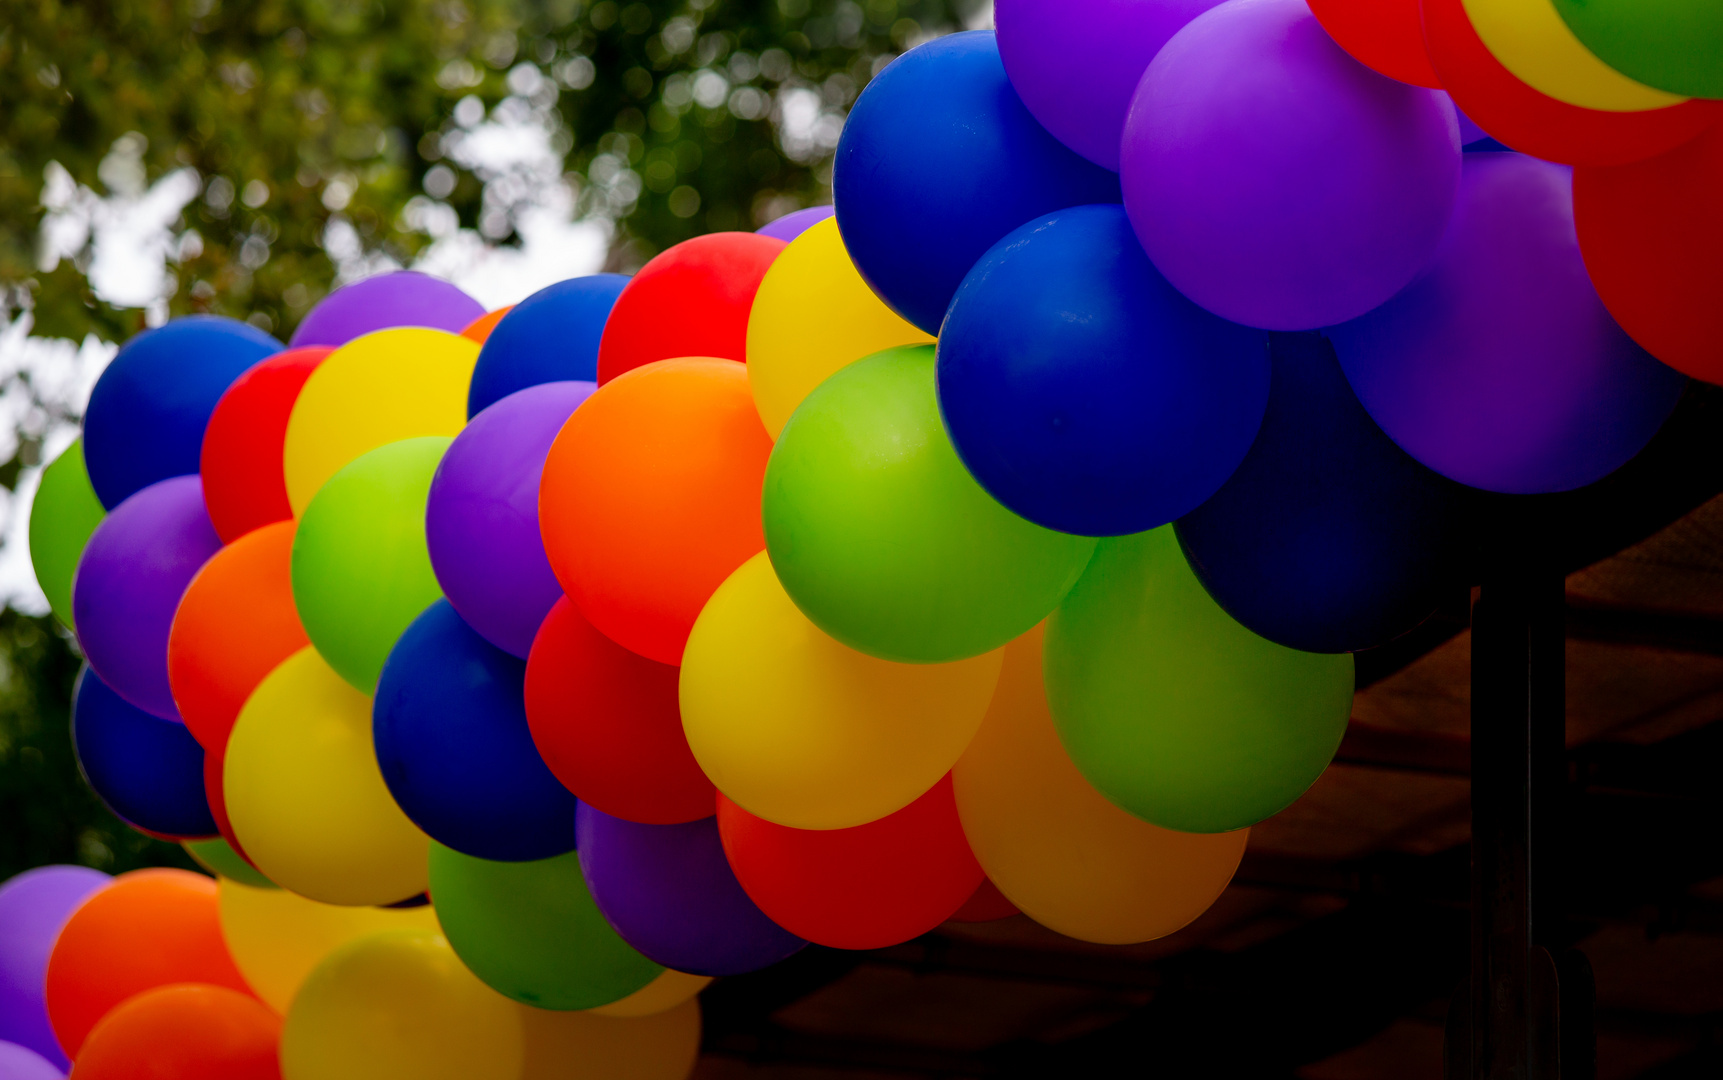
point(531, 931)
point(1674, 45)
point(361, 569)
point(884, 540)
point(62, 517)
point(1172, 709)
point(216, 856)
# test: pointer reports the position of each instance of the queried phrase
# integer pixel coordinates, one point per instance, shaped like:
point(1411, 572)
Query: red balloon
point(691, 300)
point(1531, 122)
point(243, 484)
point(149, 928)
point(985, 904)
point(216, 796)
point(606, 721)
point(1652, 236)
point(861, 888)
point(1386, 36)
point(187, 1031)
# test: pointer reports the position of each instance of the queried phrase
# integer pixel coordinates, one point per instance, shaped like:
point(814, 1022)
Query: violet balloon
point(33, 907)
point(129, 583)
point(669, 892)
point(796, 222)
point(1499, 367)
point(1076, 63)
point(402, 298)
point(22, 1063)
point(481, 520)
point(1275, 180)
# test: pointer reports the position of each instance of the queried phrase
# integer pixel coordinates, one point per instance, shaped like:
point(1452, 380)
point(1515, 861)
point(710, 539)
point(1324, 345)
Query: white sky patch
point(518, 153)
point(44, 385)
point(123, 240)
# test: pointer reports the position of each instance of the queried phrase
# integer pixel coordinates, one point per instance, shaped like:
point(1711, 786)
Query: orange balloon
point(651, 498)
point(1055, 847)
point(186, 1031)
point(235, 624)
point(147, 929)
point(479, 329)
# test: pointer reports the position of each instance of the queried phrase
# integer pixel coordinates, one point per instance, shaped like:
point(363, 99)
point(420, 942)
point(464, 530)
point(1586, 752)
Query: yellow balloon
point(306, 797)
point(670, 989)
point(399, 1005)
point(812, 315)
point(1531, 40)
point(801, 730)
point(277, 937)
point(1055, 846)
point(381, 388)
point(583, 1046)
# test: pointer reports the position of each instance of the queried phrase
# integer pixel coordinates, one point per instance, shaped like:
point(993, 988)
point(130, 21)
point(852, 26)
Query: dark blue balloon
point(147, 413)
point(1329, 537)
point(669, 892)
point(449, 723)
point(1082, 391)
point(148, 771)
point(551, 336)
point(938, 160)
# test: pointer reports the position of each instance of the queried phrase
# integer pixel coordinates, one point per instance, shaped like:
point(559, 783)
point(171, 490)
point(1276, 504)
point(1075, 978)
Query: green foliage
point(297, 113)
point(47, 813)
point(686, 89)
point(280, 105)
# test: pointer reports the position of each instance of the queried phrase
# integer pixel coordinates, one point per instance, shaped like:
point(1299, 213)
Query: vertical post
point(1518, 755)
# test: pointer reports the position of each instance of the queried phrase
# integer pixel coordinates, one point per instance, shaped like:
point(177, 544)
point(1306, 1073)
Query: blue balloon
point(551, 336)
point(1083, 391)
point(147, 770)
point(1329, 537)
point(938, 159)
point(147, 413)
point(669, 892)
point(449, 723)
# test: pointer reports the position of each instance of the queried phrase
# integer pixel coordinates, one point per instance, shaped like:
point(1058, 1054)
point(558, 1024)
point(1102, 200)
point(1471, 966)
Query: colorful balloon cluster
point(999, 544)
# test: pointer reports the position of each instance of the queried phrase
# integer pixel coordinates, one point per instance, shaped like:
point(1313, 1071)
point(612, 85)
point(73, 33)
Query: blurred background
point(169, 157)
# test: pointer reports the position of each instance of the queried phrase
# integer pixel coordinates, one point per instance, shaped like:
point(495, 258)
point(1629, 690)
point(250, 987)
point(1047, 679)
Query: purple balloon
point(21, 1063)
point(402, 298)
point(796, 223)
point(33, 907)
point(1076, 63)
point(481, 520)
point(1499, 367)
point(129, 582)
point(1275, 180)
point(669, 892)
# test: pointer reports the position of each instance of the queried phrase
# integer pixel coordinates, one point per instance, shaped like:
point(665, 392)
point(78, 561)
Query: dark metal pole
point(1509, 1027)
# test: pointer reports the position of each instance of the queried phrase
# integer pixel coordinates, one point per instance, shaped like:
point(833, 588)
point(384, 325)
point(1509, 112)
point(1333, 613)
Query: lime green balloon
point(62, 517)
point(1172, 709)
point(1674, 45)
point(361, 569)
point(884, 540)
point(219, 858)
point(531, 930)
